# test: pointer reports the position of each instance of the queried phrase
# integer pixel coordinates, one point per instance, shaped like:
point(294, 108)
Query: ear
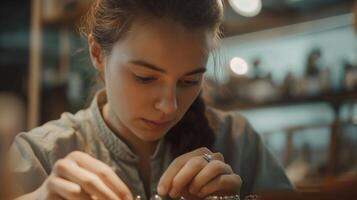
point(96, 53)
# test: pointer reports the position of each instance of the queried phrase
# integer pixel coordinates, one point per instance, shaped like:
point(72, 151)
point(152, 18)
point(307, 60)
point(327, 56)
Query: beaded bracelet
point(156, 197)
point(252, 197)
point(232, 197)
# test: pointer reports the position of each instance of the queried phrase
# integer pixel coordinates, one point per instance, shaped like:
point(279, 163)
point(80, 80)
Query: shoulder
point(229, 122)
point(61, 136)
point(245, 151)
point(235, 138)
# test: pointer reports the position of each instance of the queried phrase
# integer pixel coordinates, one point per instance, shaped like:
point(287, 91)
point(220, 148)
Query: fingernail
point(173, 193)
point(161, 190)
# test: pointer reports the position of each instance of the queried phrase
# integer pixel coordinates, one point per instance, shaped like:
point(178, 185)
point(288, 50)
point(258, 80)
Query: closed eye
point(183, 83)
point(142, 79)
point(187, 83)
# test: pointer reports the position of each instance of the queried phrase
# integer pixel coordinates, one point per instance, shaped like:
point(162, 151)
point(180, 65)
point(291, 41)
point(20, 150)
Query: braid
point(192, 131)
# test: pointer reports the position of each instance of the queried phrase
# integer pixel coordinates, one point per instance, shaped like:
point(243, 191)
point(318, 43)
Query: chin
point(150, 135)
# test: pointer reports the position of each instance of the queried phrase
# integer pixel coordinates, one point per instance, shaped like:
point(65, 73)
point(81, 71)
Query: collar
point(113, 143)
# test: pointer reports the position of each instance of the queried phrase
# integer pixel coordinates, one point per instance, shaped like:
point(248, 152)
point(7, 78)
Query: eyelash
point(147, 80)
point(144, 79)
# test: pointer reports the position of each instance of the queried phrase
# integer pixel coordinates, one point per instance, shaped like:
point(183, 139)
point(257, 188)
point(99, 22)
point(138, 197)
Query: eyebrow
point(156, 68)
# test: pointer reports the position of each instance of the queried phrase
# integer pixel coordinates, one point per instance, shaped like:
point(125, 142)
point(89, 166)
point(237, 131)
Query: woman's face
point(153, 75)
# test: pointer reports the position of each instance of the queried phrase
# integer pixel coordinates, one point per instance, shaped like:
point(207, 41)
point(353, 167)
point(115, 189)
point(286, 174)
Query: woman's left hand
point(192, 176)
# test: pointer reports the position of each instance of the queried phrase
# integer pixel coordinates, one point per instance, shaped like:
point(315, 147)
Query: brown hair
point(109, 20)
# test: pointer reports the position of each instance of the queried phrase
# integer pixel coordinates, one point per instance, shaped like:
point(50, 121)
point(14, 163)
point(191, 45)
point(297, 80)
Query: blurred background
point(289, 66)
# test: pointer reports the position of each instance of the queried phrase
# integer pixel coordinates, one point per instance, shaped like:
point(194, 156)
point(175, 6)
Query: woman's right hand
point(80, 176)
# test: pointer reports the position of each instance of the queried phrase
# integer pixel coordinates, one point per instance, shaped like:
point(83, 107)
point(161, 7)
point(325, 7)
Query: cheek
point(126, 96)
point(117, 92)
point(187, 97)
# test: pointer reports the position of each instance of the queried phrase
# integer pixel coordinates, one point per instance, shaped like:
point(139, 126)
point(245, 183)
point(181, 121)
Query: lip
point(156, 124)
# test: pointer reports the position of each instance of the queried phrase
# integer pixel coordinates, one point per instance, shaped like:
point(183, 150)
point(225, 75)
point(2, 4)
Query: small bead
point(156, 197)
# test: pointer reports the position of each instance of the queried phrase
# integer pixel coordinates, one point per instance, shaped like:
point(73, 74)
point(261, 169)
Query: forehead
point(164, 43)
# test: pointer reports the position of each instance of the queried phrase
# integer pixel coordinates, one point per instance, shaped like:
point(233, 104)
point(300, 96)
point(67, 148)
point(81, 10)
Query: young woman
point(148, 131)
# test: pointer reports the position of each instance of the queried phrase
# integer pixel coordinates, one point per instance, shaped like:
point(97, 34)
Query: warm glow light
point(239, 66)
point(247, 8)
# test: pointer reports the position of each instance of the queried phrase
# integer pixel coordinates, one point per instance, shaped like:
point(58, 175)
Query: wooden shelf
point(235, 24)
point(332, 98)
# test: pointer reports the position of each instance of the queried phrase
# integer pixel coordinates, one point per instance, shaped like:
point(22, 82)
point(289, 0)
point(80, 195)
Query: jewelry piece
point(232, 197)
point(156, 197)
point(207, 157)
point(251, 197)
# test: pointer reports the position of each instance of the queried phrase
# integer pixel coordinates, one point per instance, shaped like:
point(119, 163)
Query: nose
point(167, 103)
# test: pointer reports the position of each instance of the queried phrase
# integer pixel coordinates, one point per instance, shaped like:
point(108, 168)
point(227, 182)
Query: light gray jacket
point(35, 152)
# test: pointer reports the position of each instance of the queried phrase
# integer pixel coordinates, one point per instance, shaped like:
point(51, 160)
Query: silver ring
point(207, 157)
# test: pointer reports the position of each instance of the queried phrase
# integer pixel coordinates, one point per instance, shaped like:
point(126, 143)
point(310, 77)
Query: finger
point(55, 197)
point(90, 182)
point(104, 172)
point(211, 171)
point(166, 179)
point(67, 189)
point(228, 184)
point(186, 174)
point(218, 156)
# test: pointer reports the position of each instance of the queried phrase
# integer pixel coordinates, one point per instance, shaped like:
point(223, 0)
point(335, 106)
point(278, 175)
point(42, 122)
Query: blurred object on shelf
point(12, 116)
point(347, 157)
point(325, 80)
point(350, 76)
point(247, 89)
point(317, 77)
point(299, 169)
point(65, 11)
point(312, 67)
point(257, 71)
point(257, 88)
point(309, 86)
point(240, 86)
point(289, 88)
